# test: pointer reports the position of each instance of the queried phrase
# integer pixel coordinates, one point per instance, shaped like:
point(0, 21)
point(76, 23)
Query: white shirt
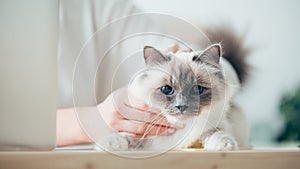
point(101, 42)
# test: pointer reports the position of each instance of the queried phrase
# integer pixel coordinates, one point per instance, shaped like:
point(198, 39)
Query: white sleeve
point(78, 21)
point(101, 43)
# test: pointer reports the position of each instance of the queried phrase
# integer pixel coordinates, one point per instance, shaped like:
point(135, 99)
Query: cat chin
point(183, 115)
point(179, 118)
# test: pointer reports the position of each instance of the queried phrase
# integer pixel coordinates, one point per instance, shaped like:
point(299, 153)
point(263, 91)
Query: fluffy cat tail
point(234, 49)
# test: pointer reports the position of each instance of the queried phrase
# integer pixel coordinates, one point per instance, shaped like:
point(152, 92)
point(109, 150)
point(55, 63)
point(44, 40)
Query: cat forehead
point(181, 68)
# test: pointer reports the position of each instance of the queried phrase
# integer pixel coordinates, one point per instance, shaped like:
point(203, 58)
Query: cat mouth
point(183, 116)
point(184, 113)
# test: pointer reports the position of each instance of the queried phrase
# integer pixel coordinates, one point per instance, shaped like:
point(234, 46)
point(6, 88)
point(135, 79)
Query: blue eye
point(196, 90)
point(167, 90)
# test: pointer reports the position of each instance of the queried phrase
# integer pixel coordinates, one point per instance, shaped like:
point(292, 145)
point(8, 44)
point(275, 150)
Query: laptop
point(28, 74)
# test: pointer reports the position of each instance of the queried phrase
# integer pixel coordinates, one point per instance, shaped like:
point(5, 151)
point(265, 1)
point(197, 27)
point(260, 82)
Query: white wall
point(273, 30)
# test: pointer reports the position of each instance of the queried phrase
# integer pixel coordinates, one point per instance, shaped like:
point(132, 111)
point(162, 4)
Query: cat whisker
point(152, 125)
point(149, 128)
point(158, 129)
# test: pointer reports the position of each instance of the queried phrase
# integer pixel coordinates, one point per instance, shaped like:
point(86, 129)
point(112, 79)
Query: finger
point(134, 102)
point(140, 136)
point(144, 114)
point(148, 117)
point(174, 48)
point(122, 96)
point(142, 128)
point(184, 50)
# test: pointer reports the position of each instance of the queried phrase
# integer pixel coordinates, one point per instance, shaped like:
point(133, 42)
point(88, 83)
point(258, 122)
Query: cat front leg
point(115, 142)
point(123, 142)
point(218, 140)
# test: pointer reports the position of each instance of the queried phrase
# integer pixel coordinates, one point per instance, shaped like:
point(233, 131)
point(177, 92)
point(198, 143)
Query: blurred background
point(270, 98)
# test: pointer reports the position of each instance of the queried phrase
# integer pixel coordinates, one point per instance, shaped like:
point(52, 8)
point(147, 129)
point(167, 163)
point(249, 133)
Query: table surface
point(73, 159)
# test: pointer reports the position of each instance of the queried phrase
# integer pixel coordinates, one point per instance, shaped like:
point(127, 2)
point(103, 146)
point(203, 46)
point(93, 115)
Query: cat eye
point(167, 90)
point(197, 90)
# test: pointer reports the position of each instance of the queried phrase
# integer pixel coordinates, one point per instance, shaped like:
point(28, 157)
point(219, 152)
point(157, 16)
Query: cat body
point(219, 126)
point(196, 89)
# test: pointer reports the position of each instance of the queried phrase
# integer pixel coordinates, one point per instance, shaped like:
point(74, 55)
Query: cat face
point(180, 84)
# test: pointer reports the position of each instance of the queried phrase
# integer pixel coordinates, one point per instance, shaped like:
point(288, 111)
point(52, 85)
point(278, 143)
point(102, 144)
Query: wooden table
point(243, 159)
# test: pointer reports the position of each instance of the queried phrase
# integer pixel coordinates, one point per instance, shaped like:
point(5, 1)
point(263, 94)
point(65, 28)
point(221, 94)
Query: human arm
point(117, 112)
point(68, 129)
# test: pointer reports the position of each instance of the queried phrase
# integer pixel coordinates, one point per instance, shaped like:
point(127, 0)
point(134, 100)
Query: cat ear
point(210, 55)
point(152, 55)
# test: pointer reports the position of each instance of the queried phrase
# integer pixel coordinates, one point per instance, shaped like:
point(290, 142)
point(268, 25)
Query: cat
point(194, 88)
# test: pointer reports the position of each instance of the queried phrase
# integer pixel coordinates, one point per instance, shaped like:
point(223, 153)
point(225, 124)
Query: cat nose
point(181, 107)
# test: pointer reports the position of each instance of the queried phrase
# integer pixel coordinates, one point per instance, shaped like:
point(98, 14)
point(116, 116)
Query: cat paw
point(220, 141)
point(115, 142)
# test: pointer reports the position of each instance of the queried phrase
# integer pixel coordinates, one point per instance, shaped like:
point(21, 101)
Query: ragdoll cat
point(196, 89)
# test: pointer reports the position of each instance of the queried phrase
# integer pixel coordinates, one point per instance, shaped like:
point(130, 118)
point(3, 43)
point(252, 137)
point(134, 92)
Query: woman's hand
point(124, 113)
point(175, 48)
point(134, 117)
